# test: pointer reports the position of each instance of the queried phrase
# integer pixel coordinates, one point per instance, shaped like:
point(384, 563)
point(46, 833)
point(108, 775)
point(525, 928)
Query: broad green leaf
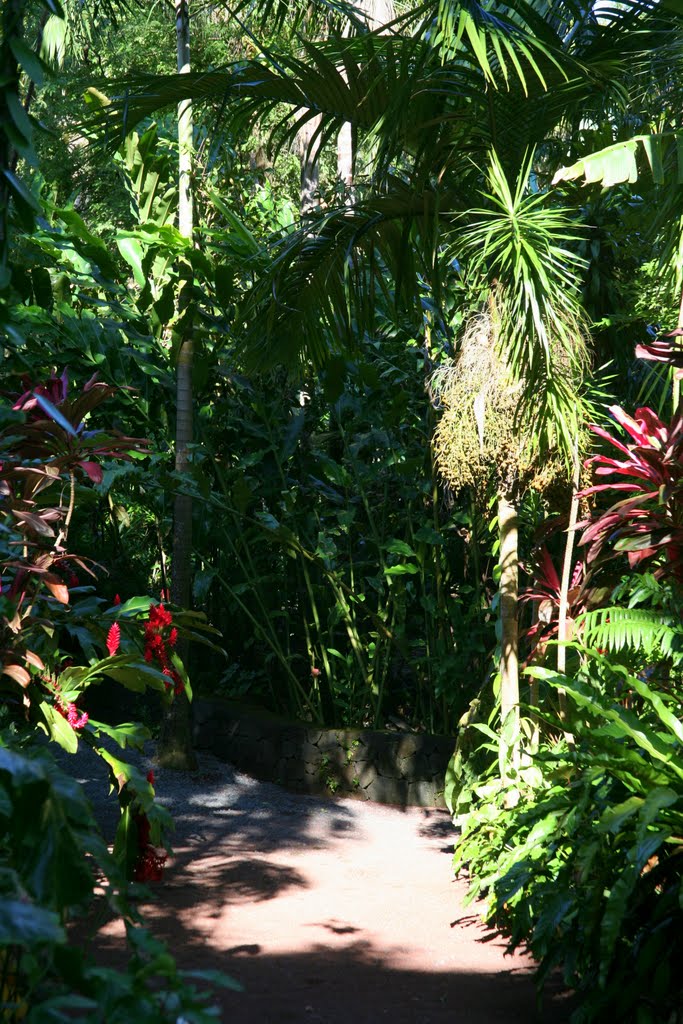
point(128, 734)
point(617, 163)
point(182, 672)
point(133, 254)
point(58, 728)
point(614, 817)
point(135, 677)
point(30, 62)
point(22, 923)
point(399, 547)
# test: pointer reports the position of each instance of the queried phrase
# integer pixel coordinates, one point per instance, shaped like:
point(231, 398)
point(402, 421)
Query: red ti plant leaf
point(544, 594)
point(94, 471)
point(57, 588)
point(648, 523)
point(664, 351)
point(34, 522)
point(17, 673)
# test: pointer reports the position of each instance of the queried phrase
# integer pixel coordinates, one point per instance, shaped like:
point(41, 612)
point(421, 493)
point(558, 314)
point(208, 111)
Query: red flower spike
point(117, 599)
point(113, 639)
point(75, 720)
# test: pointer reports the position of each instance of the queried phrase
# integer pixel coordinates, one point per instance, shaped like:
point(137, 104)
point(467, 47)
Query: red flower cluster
point(157, 645)
point(72, 716)
point(149, 867)
point(69, 711)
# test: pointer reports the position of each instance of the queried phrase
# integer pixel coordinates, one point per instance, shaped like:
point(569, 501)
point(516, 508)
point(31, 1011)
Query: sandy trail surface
point(326, 911)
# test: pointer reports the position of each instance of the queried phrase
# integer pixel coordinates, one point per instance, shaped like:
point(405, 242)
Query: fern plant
point(650, 632)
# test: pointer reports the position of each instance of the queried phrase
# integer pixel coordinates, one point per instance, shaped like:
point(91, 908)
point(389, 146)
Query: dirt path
point(327, 911)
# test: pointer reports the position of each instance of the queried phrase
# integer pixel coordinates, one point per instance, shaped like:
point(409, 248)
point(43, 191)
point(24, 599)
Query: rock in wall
point(388, 767)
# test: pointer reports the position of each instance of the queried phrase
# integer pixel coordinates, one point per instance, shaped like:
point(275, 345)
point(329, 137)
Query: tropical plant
point(585, 871)
point(50, 622)
point(646, 524)
point(53, 861)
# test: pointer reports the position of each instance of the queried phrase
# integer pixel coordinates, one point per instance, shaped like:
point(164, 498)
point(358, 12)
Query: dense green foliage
point(496, 147)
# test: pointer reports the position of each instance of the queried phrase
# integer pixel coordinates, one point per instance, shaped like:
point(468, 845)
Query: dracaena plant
point(543, 595)
point(646, 523)
point(45, 447)
point(47, 451)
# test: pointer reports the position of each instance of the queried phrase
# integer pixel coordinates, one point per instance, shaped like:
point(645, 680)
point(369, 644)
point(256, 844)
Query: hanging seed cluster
point(481, 437)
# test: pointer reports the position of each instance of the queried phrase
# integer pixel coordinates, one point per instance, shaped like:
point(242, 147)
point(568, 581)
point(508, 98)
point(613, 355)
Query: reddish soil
point(331, 912)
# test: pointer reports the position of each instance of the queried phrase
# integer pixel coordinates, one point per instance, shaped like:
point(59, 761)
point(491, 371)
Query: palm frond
point(523, 249)
point(325, 281)
point(508, 43)
point(351, 82)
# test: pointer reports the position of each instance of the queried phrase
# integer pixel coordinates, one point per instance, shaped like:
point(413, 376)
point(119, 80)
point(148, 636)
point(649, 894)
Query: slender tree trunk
point(377, 13)
point(509, 660)
point(345, 155)
point(11, 28)
point(563, 607)
point(175, 741)
point(309, 152)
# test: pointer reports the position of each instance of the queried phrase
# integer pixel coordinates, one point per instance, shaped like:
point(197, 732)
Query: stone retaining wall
point(388, 767)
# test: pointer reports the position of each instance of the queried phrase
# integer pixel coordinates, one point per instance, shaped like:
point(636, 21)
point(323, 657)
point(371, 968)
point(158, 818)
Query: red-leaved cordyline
point(113, 639)
point(157, 645)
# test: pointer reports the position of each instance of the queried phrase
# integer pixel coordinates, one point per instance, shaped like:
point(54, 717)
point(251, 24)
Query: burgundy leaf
point(94, 471)
point(17, 673)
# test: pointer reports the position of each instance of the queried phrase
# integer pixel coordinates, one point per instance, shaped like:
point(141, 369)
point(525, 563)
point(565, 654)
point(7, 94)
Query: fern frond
point(651, 632)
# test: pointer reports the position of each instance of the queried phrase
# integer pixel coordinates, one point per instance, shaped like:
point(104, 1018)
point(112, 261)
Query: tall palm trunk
point(378, 13)
point(175, 741)
point(509, 749)
point(345, 154)
point(309, 151)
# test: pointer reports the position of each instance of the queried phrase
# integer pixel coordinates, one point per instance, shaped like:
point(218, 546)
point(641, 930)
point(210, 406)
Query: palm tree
point(175, 739)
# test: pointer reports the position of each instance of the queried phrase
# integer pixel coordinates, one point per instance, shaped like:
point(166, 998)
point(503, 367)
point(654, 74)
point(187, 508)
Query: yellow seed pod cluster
point(481, 438)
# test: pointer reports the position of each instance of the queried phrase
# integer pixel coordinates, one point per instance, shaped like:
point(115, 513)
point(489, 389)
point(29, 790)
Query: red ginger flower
point(149, 866)
point(157, 647)
point(113, 639)
point(70, 712)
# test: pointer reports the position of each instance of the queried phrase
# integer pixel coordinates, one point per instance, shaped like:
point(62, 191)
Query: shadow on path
point(356, 985)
